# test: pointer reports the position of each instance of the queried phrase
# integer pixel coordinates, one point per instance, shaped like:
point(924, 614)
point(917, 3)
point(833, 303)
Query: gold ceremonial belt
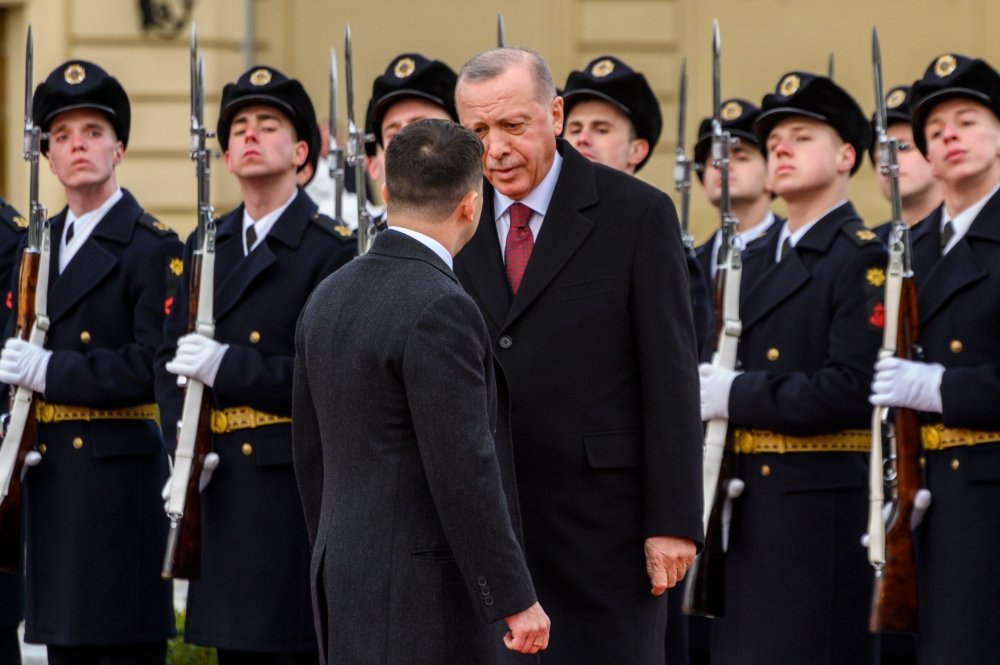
point(243, 417)
point(750, 441)
point(939, 437)
point(57, 413)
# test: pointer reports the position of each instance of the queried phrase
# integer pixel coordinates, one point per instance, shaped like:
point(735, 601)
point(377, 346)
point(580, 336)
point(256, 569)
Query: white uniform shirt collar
point(537, 199)
point(83, 226)
point(428, 242)
point(803, 230)
point(263, 225)
point(963, 220)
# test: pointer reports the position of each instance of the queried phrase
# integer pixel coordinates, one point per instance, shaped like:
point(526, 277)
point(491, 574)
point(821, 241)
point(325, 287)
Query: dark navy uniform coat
point(958, 543)
point(253, 594)
point(94, 519)
point(798, 582)
point(11, 231)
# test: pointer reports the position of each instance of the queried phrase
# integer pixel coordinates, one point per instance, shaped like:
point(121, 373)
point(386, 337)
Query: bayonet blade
point(716, 76)
point(829, 66)
point(348, 65)
point(29, 58)
point(682, 105)
point(880, 112)
point(501, 32)
point(333, 99)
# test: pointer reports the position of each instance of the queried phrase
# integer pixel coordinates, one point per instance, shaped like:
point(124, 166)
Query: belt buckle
point(220, 422)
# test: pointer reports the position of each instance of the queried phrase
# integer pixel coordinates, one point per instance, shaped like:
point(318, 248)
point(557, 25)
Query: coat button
point(772, 354)
point(765, 470)
point(247, 449)
point(481, 581)
point(42, 448)
point(506, 342)
point(955, 464)
point(488, 600)
point(485, 590)
point(254, 337)
point(77, 442)
point(956, 346)
point(85, 337)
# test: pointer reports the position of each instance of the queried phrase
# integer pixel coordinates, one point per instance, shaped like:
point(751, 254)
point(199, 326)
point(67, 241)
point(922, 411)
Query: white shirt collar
point(963, 220)
point(83, 226)
point(428, 242)
point(537, 199)
point(263, 225)
point(803, 230)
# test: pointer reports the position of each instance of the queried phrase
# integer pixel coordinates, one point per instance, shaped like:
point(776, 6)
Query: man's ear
point(637, 152)
point(468, 208)
point(846, 159)
point(385, 194)
point(557, 115)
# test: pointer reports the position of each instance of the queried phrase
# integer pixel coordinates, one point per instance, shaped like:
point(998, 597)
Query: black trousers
point(10, 646)
point(154, 653)
point(230, 657)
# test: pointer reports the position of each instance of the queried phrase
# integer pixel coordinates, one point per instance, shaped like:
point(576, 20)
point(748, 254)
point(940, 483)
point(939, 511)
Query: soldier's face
point(603, 134)
point(747, 175)
point(262, 144)
point(517, 130)
point(406, 111)
point(805, 156)
point(963, 141)
point(916, 177)
point(83, 149)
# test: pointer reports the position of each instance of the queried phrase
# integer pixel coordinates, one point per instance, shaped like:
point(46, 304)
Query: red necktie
point(519, 244)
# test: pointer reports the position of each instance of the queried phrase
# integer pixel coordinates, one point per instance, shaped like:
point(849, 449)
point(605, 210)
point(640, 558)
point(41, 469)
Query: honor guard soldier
point(797, 582)
point(411, 88)
point(919, 190)
point(12, 228)
point(749, 194)
point(94, 525)
point(252, 601)
point(613, 118)
point(956, 254)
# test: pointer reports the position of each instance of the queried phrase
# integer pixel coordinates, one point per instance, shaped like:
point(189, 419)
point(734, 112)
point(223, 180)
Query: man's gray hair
point(490, 64)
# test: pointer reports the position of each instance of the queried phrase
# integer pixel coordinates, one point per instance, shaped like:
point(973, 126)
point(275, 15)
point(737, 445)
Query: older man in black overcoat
point(580, 274)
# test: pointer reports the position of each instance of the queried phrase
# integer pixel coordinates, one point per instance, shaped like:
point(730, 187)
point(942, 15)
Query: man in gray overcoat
point(406, 486)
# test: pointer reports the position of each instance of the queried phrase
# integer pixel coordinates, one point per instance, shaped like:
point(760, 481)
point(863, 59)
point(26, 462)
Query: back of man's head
point(429, 166)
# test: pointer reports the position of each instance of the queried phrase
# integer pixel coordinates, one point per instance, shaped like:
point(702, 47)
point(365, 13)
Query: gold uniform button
point(772, 354)
point(247, 449)
point(77, 442)
point(956, 346)
point(254, 337)
point(955, 464)
point(42, 448)
point(85, 337)
point(765, 470)
point(923, 462)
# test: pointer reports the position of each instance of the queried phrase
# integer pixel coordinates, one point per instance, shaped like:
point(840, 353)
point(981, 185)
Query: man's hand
point(667, 559)
point(24, 364)
point(198, 357)
point(529, 630)
point(908, 384)
point(716, 383)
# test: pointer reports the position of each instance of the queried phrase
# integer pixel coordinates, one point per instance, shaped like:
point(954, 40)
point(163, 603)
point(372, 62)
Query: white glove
point(197, 357)
point(24, 364)
point(716, 382)
point(210, 465)
point(907, 384)
point(32, 458)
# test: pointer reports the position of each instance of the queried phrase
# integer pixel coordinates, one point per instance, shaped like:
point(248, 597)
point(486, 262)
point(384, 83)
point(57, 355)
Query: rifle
point(194, 434)
point(704, 595)
point(890, 550)
point(682, 165)
point(336, 152)
point(19, 426)
point(501, 31)
point(356, 154)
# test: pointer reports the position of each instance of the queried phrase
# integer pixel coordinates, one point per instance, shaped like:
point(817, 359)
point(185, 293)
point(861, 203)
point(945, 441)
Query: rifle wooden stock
point(894, 597)
point(183, 554)
point(20, 436)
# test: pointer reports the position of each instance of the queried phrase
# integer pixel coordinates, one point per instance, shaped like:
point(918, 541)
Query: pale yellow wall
point(761, 40)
